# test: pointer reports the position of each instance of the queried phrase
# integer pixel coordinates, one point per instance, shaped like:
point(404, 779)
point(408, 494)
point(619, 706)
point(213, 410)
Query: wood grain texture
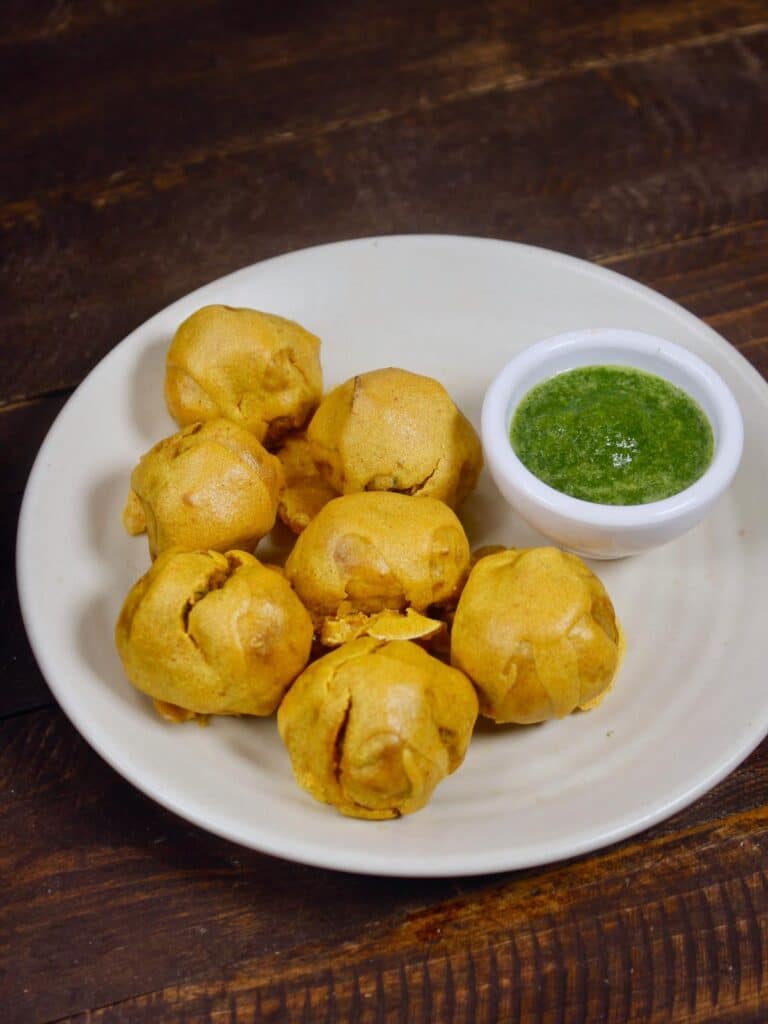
point(722, 277)
point(222, 77)
point(22, 429)
point(29, 21)
point(665, 148)
point(198, 929)
point(151, 147)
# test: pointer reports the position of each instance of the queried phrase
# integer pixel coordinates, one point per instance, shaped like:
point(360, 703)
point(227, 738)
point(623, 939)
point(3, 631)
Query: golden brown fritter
point(374, 726)
point(305, 490)
point(536, 633)
point(375, 551)
point(392, 430)
point(212, 485)
point(205, 633)
point(256, 369)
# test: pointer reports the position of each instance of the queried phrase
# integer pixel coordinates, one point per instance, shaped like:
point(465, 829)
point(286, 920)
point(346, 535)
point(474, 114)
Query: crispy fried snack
point(212, 485)
point(305, 490)
point(205, 633)
point(375, 551)
point(256, 369)
point(536, 633)
point(374, 726)
point(392, 430)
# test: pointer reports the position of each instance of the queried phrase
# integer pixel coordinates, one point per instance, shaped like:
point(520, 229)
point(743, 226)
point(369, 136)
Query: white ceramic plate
point(691, 700)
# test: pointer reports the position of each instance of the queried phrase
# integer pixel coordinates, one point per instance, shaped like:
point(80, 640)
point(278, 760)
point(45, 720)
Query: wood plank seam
point(711, 231)
point(169, 176)
point(507, 983)
point(608, 259)
point(13, 404)
point(444, 966)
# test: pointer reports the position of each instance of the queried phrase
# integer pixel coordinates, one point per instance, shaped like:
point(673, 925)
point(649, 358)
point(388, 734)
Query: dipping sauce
point(612, 434)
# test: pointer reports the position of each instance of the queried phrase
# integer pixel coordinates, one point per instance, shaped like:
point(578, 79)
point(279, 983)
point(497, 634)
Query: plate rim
point(339, 859)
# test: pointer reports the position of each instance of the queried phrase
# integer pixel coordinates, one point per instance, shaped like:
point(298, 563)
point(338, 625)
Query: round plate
point(689, 704)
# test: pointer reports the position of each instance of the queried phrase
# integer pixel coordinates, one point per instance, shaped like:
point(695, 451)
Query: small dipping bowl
point(590, 528)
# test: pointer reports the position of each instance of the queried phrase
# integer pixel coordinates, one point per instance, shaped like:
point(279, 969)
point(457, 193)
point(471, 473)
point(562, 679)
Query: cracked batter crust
point(208, 633)
point(393, 430)
point(256, 369)
point(374, 726)
point(371, 552)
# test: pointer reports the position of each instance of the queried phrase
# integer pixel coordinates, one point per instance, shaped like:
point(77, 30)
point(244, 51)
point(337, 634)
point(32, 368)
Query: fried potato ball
point(536, 633)
point(369, 552)
point(374, 726)
point(392, 430)
point(305, 490)
point(256, 369)
point(205, 633)
point(212, 485)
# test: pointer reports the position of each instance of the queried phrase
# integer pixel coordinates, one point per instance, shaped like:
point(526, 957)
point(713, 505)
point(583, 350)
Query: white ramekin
point(590, 528)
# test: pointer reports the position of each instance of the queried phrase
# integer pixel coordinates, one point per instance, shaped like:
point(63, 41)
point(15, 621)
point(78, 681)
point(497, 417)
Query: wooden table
point(151, 147)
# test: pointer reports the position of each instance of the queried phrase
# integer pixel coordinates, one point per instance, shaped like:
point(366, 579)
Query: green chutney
point(612, 434)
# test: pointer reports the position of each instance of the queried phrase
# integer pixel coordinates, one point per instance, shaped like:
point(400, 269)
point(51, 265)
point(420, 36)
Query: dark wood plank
point(121, 903)
point(723, 278)
point(221, 78)
point(666, 148)
point(26, 21)
point(22, 430)
point(156, 146)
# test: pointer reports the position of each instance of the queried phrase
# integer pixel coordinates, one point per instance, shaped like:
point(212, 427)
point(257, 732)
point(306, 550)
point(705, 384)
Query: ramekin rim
point(495, 421)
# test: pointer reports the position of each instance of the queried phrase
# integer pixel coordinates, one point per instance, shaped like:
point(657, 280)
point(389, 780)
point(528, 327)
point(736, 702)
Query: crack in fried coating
point(393, 430)
point(386, 625)
point(374, 726)
point(371, 552)
point(205, 633)
point(259, 370)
